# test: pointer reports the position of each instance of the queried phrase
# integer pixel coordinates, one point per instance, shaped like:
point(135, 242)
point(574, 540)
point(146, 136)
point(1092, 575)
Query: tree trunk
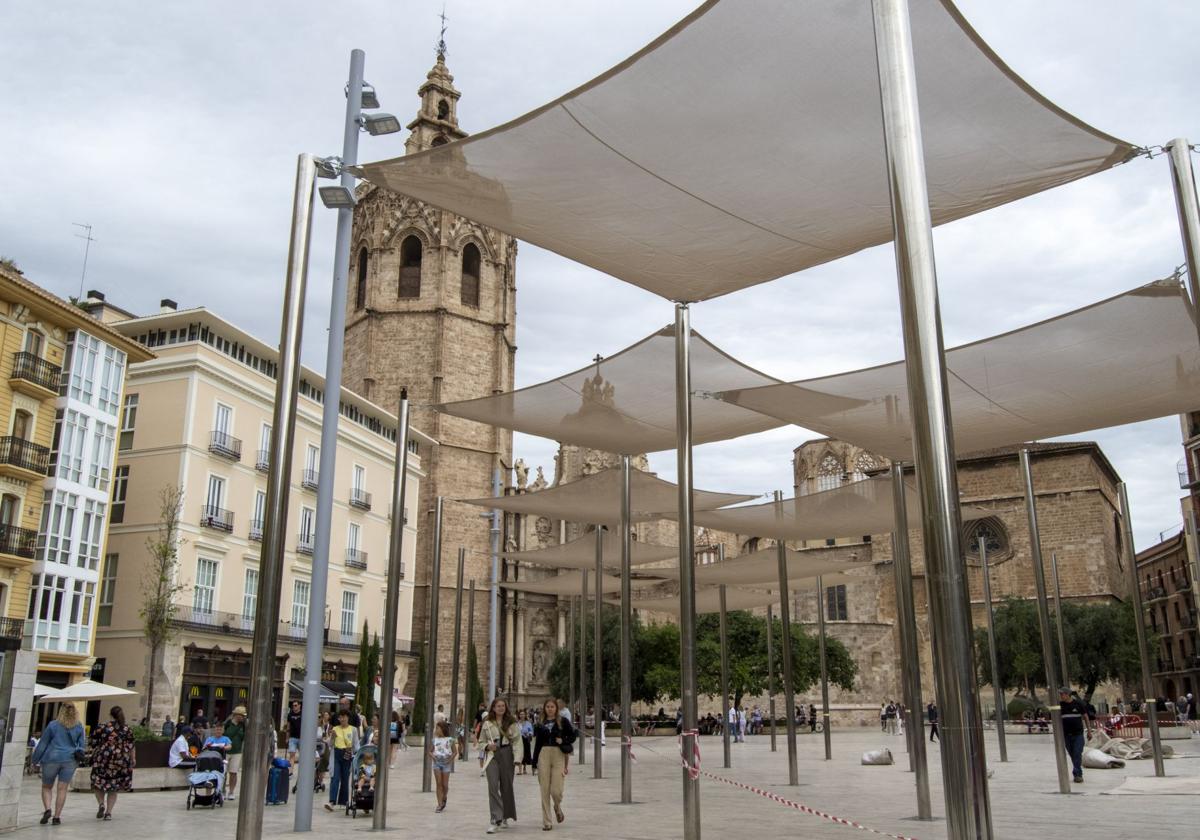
point(154, 648)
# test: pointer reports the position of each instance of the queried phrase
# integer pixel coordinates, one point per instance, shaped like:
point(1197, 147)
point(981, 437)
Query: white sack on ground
point(1100, 760)
point(1126, 748)
point(879, 756)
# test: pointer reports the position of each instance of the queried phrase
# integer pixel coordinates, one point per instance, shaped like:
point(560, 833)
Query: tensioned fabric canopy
point(596, 499)
point(580, 553)
point(851, 510)
point(650, 173)
point(708, 598)
point(570, 583)
point(762, 566)
point(1129, 358)
point(624, 403)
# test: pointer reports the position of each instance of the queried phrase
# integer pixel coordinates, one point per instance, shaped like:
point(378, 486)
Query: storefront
point(216, 681)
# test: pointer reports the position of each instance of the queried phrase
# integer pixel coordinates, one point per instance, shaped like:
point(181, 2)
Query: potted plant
point(150, 749)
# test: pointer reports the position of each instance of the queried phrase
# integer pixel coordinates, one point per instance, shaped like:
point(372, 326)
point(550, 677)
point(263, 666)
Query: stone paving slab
point(1024, 795)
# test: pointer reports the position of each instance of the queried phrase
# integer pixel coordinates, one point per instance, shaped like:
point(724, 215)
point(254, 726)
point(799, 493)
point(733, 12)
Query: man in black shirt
point(932, 712)
point(1074, 722)
point(295, 720)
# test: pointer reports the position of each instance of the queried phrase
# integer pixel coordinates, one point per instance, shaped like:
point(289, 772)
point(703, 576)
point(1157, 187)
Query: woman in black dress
point(112, 762)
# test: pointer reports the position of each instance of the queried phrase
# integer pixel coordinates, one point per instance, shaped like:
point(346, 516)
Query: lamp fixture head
point(337, 197)
point(377, 124)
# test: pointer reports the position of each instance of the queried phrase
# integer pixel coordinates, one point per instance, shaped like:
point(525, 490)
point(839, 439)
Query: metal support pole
point(391, 610)
point(1184, 182)
point(964, 765)
point(583, 599)
point(454, 662)
point(572, 697)
point(771, 675)
point(910, 658)
point(468, 721)
point(789, 687)
point(725, 727)
point(494, 618)
point(1059, 621)
point(435, 585)
point(260, 728)
point(1039, 581)
point(824, 671)
point(598, 661)
point(330, 411)
point(626, 535)
point(1139, 619)
point(994, 657)
point(689, 743)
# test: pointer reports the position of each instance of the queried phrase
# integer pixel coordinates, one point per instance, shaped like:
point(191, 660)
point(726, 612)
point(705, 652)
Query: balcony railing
point(18, 542)
point(262, 460)
point(256, 530)
point(12, 628)
point(35, 369)
point(1155, 593)
point(356, 559)
point(360, 498)
point(225, 445)
point(215, 517)
point(236, 624)
point(306, 543)
point(24, 454)
point(308, 479)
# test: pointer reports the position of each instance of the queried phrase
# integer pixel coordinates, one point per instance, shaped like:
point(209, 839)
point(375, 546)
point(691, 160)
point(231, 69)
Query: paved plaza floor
point(1025, 801)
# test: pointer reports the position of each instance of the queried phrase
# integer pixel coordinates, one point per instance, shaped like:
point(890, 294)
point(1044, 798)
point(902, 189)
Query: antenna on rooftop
point(87, 236)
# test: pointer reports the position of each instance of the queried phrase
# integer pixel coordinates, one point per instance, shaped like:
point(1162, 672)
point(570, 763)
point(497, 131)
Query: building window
point(835, 603)
point(79, 621)
point(108, 589)
point(100, 468)
point(360, 290)
point(358, 483)
point(470, 275)
point(10, 509)
point(300, 591)
point(84, 352)
point(349, 613)
point(112, 376)
point(250, 594)
point(259, 517)
point(91, 535)
point(410, 268)
point(829, 473)
point(128, 421)
point(70, 447)
point(120, 488)
point(33, 343)
point(215, 500)
point(205, 590)
point(58, 521)
point(991, 531)
point(22, 424)
point(307, 530)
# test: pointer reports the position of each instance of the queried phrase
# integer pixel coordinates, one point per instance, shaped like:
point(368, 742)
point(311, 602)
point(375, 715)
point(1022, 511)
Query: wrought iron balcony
point(1155, 593)
point(12, 628)
point(1186, 482)
point(256, 530)
point(18, 542)
point(24, 455)
point(308, 479)
point(262, 460)
point(215, 517)
point(356, 559)
point(28, 367)
point(306, 543)
point(360, 498)
point(225, 445)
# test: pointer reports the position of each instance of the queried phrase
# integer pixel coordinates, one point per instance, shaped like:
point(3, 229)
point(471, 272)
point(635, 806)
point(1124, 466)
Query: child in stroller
point(362, 771)
point(206, 784)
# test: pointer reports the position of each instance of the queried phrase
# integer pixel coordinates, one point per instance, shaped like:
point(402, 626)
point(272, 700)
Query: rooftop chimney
point(167, 305)
point(94, 296)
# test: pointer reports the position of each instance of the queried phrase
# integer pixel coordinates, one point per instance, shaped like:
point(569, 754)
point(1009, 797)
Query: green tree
point(374, 655)
point(418, 714)
point(362, 680)
point(1018, 648)
point(474, 685)
point(643, 689)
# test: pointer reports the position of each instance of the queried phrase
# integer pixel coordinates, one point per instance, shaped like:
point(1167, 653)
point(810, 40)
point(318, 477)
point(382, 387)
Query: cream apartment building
point(198, 417)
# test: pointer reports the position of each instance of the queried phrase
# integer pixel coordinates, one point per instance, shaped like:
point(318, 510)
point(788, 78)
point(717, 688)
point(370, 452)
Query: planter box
point(151, 753)
point(148, 778)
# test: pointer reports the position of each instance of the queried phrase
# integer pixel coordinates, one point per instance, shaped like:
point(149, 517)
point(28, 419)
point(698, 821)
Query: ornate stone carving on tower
point(432, 307)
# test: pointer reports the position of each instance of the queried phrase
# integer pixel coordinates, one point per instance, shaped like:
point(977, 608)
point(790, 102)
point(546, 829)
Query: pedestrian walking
point(883, 717)
point(343, 745)
point(395, 734)
point(443, 751)
point(112, 762)
point(501, 740)
point(1074, 722)
point(168, 728)
point(932, 711)
point(526, 726)
point(554, 742)
point(812, 717)
point(235, 731)
point(295, 720)
point(741, 725)
point(59, 752)
point(889, 714)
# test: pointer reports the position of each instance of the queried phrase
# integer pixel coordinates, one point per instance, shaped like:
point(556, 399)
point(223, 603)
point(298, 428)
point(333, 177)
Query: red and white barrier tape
point(627, 743)
point(693, 770)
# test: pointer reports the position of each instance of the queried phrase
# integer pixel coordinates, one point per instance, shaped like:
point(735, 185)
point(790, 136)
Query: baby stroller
point(206, 784)
point(361, 800)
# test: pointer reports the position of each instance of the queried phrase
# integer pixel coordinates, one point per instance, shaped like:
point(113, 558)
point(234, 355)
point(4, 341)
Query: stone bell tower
point(431, 306)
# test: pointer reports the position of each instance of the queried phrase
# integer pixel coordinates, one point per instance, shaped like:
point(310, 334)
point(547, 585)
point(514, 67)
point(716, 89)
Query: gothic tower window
point(439, 141)
point(443, 110)
point(993, 534)
point(829, 473)
point(360, 290)
point(410, 268)
point(835, 603)
point(470, 275)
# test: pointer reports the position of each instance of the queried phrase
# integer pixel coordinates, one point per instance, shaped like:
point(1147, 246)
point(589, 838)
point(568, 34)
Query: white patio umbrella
point(40, 690)
point(85, 690)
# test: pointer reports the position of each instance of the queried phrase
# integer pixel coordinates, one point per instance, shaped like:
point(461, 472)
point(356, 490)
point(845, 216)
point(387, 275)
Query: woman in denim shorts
point(58, 752)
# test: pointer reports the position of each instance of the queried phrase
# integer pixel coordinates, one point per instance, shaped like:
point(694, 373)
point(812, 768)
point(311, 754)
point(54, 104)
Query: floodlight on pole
point(369, 97)
point(337, 197)
point(377, 124)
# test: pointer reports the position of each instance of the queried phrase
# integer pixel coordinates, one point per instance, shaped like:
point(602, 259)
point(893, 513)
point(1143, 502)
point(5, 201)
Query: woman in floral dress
point(112, 762)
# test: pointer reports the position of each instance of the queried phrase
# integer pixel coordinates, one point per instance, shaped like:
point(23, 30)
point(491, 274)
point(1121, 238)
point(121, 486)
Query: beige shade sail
point(762, 566)
point(746, 143)
point(571, 583)
point(596, 499)
point(708, 598)
point(856, 509)
point(580, 553)
point(1129, 358)
point(626, 402)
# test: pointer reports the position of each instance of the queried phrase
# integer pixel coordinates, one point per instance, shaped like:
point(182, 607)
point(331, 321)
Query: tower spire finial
point(441, 46)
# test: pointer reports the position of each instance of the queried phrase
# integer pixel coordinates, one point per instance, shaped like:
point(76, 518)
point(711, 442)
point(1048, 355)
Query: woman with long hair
point(554, 741)
point(112, 762)
point(58, 752)
point(526, 726)
point(395, 733)
point(443, 750)
point(500, 738)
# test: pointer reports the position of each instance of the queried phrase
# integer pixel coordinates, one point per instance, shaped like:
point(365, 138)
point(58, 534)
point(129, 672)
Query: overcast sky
point(173, 129)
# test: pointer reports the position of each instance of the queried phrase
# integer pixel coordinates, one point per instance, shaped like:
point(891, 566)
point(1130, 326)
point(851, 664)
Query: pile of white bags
point(880, 756)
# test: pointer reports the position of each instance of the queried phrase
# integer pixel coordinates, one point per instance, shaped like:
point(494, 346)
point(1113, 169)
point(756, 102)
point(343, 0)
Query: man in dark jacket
point(932, 712)
point(1074, 722)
